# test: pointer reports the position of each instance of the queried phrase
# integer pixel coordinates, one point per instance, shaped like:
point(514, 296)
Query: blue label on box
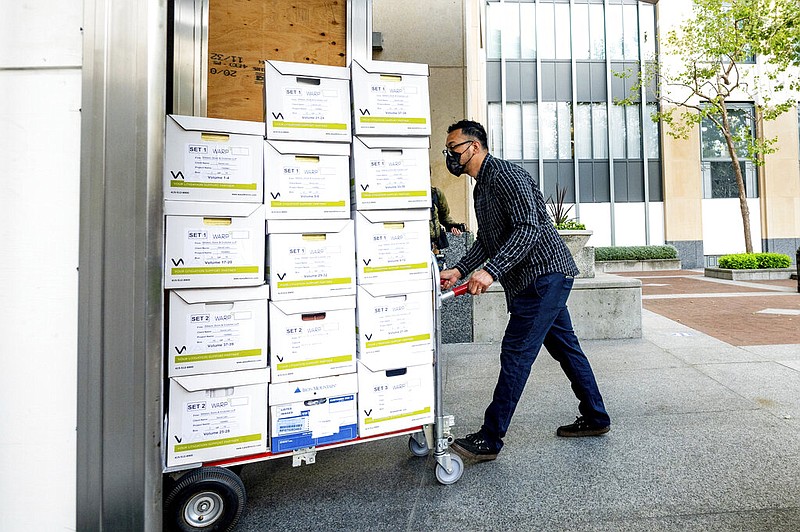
point(290, 442)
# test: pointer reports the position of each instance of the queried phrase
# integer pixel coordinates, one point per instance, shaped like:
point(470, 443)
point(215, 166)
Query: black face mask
point(453, 163)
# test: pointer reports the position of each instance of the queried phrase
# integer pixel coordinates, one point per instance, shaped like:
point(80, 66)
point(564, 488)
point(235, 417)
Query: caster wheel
point(205, 499)
point(457, 466)
point(417, 448)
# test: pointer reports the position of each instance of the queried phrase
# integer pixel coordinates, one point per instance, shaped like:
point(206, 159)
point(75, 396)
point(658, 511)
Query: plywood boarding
point(243, 33)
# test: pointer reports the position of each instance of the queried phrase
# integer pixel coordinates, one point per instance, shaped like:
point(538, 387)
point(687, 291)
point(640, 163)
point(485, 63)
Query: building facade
point(545, 84)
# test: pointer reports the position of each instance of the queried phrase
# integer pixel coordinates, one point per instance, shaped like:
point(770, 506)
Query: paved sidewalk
point(737, 312)
point(705, 437)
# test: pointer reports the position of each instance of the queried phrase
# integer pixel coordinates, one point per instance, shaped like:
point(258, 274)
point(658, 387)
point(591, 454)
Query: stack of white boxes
point(310, 255)
point(390, 194)
point(297, 264)
point(216, 352)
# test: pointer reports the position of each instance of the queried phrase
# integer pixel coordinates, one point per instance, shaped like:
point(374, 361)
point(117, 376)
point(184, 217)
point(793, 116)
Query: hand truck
point(212, 496)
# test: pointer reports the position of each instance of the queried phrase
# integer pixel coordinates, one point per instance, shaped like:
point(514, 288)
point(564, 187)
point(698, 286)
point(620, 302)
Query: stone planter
point(583, 255)
point(767, 274)
point(648, 265)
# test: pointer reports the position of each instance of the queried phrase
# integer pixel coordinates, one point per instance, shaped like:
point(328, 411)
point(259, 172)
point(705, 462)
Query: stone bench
point(605, 306)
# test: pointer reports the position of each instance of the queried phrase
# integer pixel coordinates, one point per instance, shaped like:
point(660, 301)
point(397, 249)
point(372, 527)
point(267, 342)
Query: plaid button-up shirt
point(515, 233)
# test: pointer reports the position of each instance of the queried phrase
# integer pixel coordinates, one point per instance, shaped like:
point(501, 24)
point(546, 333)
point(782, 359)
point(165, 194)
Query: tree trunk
point(737, 170)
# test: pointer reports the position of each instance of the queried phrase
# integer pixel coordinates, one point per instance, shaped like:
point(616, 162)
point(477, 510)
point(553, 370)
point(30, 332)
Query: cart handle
point(459, 290)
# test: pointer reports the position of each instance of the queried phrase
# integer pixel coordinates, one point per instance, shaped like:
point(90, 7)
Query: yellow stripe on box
point(214, 270)
point(398, 341)
point(203, 357)
point(372, 421)
point(391, 120)
point(395, 194)
point(177, 183)
point(315, 362)
point(276, 204)
point(314, 282)
point(277, 124)
point(181, 448)
point(397, 268)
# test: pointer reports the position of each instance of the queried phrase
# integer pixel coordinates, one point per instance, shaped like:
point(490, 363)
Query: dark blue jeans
point(539, 316)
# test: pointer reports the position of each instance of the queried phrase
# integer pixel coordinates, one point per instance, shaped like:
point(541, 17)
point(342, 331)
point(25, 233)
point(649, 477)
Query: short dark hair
point(471, 129)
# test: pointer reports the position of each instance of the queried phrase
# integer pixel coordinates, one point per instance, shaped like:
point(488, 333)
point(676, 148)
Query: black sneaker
point(474, 446)
point(581, 428)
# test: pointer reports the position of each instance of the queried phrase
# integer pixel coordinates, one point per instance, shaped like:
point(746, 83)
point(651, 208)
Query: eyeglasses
point(451, 151)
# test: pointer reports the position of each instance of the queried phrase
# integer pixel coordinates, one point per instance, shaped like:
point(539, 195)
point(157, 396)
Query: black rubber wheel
point(205, 500)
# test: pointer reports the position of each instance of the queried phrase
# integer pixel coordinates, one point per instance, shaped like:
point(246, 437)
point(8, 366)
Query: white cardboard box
point(391, 173)
point(313, 412)
point(395, 322)
point(216, 416)
point(392, 399)
point(393, 246)
point(211, 244)
point(214, 330)
point(312, 338)
point(212, 159)
point(310, 258)
point(391, 98)
point(307, 102)
point(306, 180)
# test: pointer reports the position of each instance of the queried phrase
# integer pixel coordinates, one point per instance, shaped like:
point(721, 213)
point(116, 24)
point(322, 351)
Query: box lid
point(307, 226)
point(392, 67)
point(320, 304)
point(397, 362)
point(212, 381)
point(211, 208)
point(221, 295)
point(294, 147)
point(398, 215)
point(385, 143)
point(309, 70)
point(291, 392)
point(397, 289)
point(218, 125)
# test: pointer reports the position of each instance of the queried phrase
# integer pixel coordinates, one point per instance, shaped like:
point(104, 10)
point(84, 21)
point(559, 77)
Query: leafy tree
point(705, 64)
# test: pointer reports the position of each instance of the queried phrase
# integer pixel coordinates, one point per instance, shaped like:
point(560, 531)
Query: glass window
point(630, 25)
point(583, 43)
point(713, 141)
point(599, 131)
point(510, 29)
point(527, 20)
point(549, 127)
point(583, 131)
point(512, 131)
point(546, 27)
point(591, 141)
point(633, 131)
point(564, 130)
point(495, 129)
point(530, 131)
point(618, 140)
point(562, 29)
point(556, 130)
point(597, 32)
point(614, 23)
point(494, 18)
point(719, 177)
point(651, 133)
point(649, 31)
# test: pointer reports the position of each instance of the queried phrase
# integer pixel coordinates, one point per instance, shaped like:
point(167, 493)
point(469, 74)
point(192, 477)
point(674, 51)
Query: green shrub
point(754, 261)
point(635, 253)
point(570, 225)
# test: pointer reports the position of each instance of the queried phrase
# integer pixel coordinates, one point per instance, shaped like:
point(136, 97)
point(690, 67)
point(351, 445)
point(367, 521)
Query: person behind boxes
point(440, 224)
point(518, 245)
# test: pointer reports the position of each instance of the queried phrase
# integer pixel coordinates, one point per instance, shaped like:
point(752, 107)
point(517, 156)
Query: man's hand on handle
point(478, 283)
